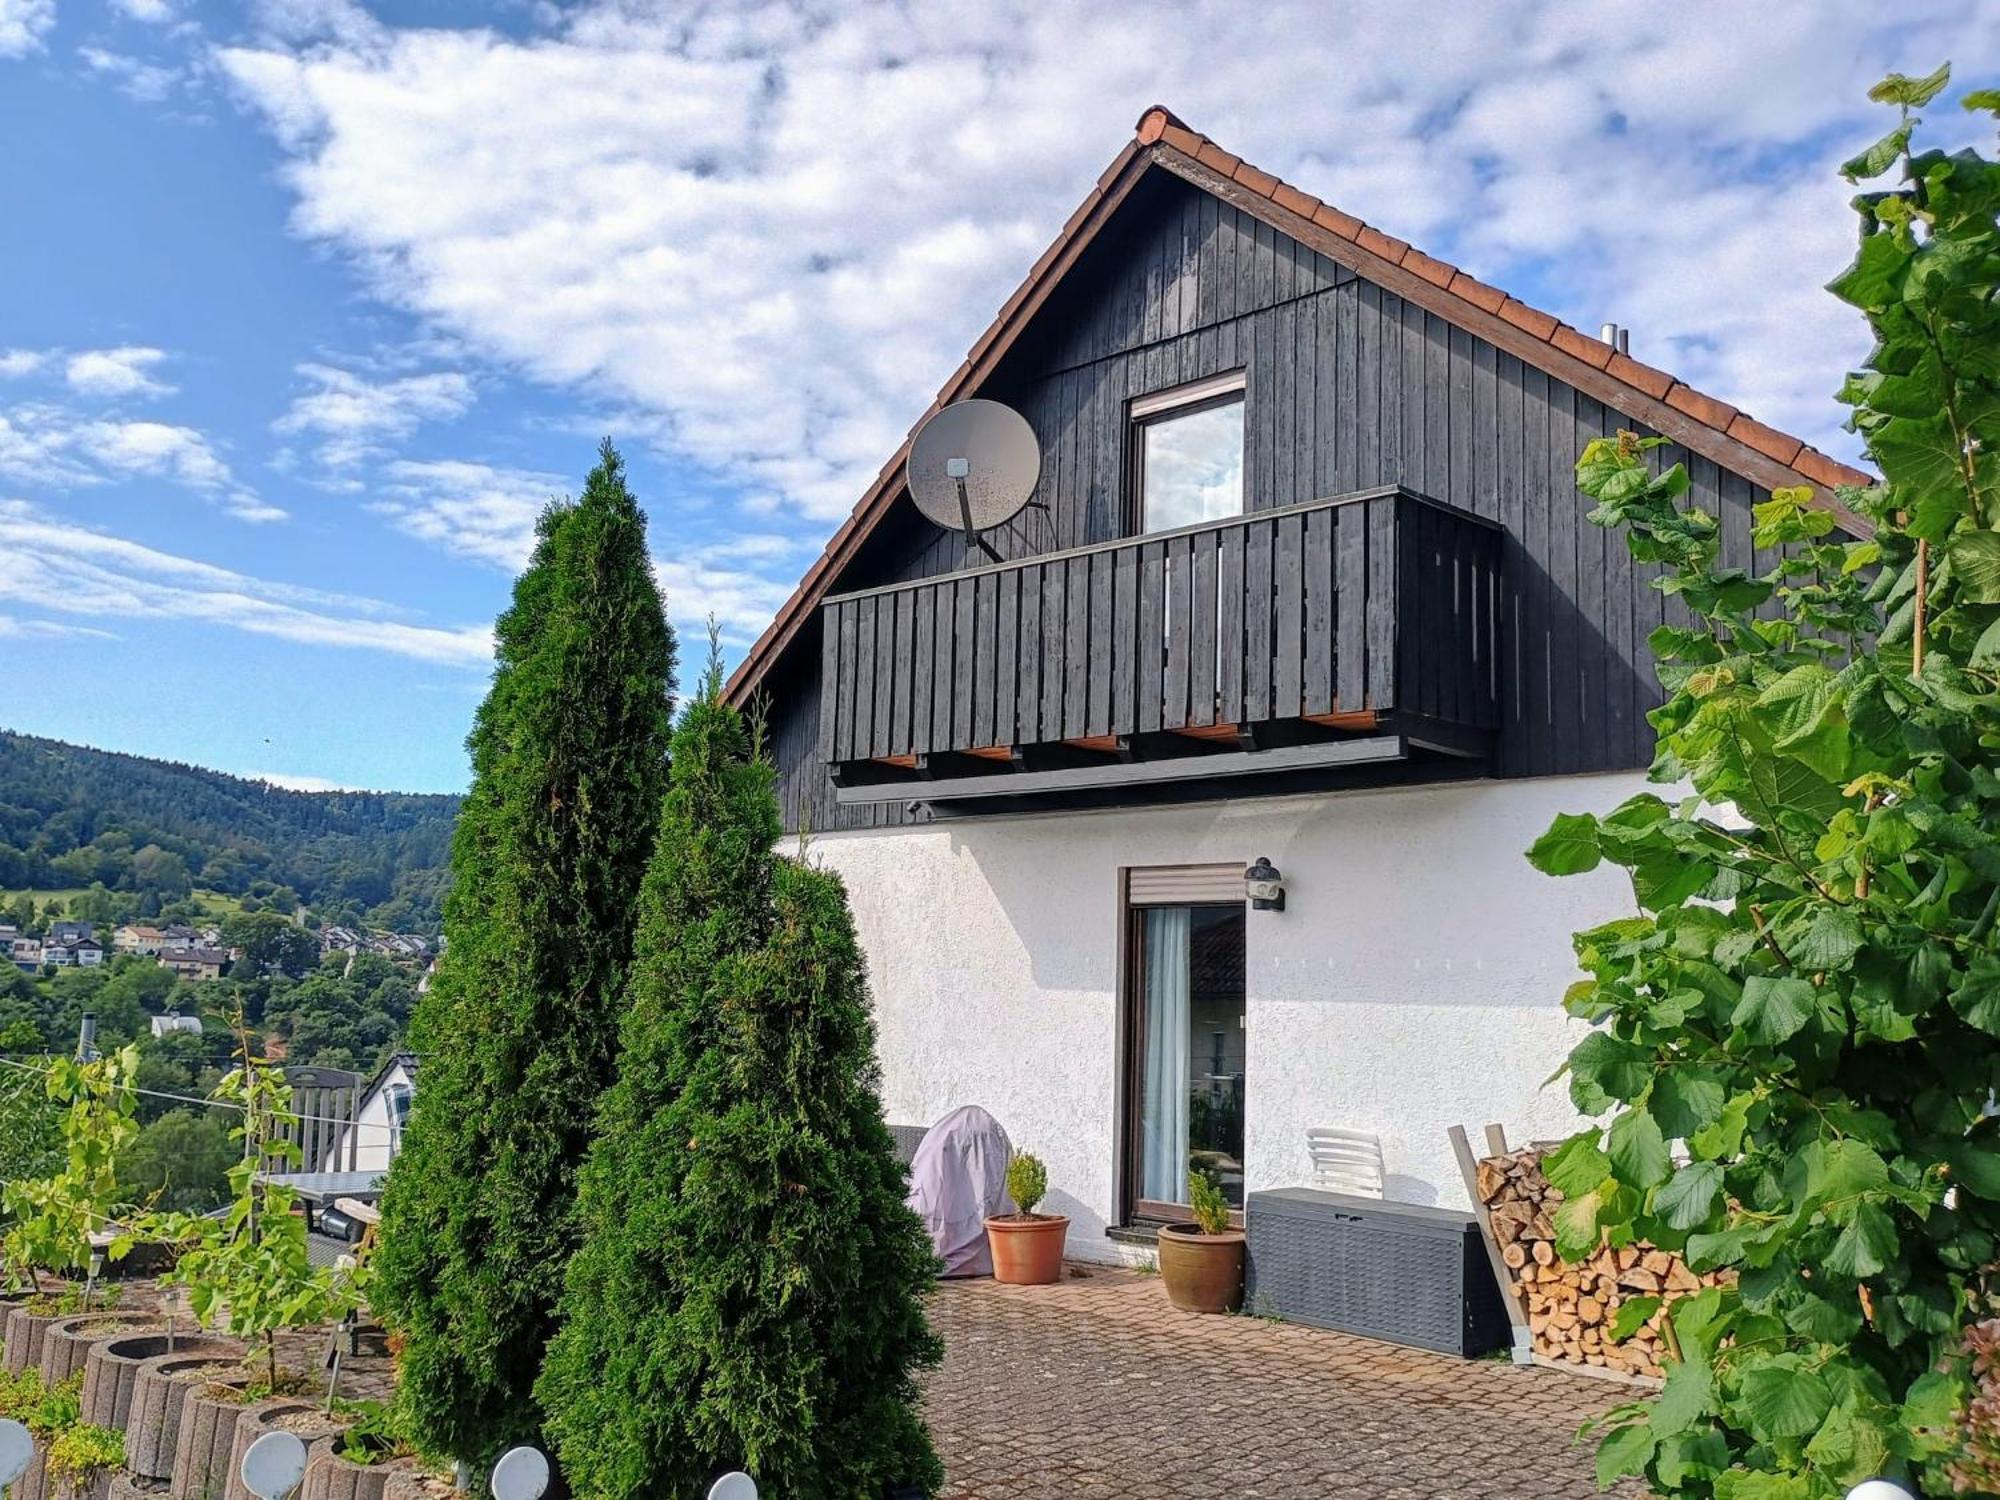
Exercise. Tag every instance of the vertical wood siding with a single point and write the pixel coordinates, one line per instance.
(1346, 387)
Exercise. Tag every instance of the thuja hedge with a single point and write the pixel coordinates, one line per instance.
(518, 1031)
(749, 1291)
(1797, 1051)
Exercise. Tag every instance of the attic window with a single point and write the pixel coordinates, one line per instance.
(1187, 454)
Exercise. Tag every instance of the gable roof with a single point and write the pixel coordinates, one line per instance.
(1162, 141)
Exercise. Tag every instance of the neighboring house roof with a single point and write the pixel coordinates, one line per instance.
(195, 956)
(1700, 423)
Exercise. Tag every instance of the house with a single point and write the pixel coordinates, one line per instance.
(26, 953)
(1306, 594)
(372, 1139)
(172, 1023)
(69, 933)
(86, 953)
(136, 937)
(195, 963)
(61, 955)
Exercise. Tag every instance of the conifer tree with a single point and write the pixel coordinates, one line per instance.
(518, 1033)
(750, 1288)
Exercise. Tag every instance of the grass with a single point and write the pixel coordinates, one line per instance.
(212, 903)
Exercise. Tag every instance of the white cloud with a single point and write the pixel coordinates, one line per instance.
(13, 629)
(23, 24)
(478, 511)
(288, 782)
(147, 82)
(356, 416)
(52, 445)
(58, 568)
(16, 363)
(116, 372)
(153, 12)
(771, 231)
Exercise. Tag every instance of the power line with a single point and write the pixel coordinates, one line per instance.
(359, 1124)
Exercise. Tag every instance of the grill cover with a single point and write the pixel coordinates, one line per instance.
(958, 1178)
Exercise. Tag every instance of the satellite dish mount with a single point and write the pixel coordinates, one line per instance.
(973, 466)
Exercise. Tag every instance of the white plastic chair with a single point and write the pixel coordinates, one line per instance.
(1345, 1161)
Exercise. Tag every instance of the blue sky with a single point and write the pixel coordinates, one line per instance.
(308, 306)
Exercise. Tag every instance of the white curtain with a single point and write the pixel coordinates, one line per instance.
(1164, 1154)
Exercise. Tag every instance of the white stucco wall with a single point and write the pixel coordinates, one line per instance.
(374, 1136)
(1413, 982)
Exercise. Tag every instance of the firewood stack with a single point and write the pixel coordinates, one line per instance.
(1570, 1308)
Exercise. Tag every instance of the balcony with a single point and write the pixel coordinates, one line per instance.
(1270, 651)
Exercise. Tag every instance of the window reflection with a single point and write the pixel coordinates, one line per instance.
(1191, 466)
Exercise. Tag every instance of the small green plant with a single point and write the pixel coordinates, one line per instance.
(1148, 1267)
(57, 1408)
(50, 1219)
(80, 1453)
(1211, 1209)
(1027, 1182)
(377, 1435)
(249, 1270)
(20, 1394)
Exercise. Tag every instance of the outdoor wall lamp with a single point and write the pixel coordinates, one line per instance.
(1264, 886)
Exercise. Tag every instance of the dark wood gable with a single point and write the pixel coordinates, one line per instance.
(1348, 388)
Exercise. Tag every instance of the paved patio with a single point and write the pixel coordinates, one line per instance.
(1097, 1387)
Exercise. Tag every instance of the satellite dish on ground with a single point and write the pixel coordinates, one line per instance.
(736, 1486)
(521, 1474)
(972, 467)
(274, 1465)
(16, 1448)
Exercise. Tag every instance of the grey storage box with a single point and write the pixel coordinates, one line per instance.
(1394, 1271)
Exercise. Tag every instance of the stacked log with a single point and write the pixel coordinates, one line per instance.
(1571, 1307)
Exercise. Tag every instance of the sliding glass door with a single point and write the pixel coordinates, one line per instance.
(1186, 1064)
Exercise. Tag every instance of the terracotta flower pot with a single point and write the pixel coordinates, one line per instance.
(1203, 1272)
(1027, 1248)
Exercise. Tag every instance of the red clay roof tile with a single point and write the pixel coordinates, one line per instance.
(1292, 200)
(1830, 472)
(1655, 383)
(1433, 270)
(1591, 351)
(1255, 180)
(1478, 293)
(1704, 409)
(1387, 246)
(1330, 218)
(1532, 320)
(1766, 440)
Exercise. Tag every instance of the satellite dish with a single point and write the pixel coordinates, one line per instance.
(16, 1448)
(274, 1465)
(521, 1474)
(1878, 1489)
(972, 467)
(736, 1486)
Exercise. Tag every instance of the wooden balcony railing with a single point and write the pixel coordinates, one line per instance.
(1334, 612)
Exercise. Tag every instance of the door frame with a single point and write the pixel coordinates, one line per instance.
(1129, 1039)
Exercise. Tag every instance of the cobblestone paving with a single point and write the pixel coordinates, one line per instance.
(1097, 1387)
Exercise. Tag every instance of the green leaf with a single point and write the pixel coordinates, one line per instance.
(1638, 1150)
(1875, 279)
(1687, 1395)
(1568, 848)
(1866, 1245)
(1975, 563)
(1724, 1138)
(1931, 1409)
(1624, 1451)
(1977, 997)
(1773, 1009)
(1577, 1166)
(1690, 1196)
(1577, 1233)
(1911, 93)
(1986, 99)
(1685, 1098)
(1604, 1071)
(1827, 942)
(1631, 1317)
(1878, 158)
(1747, 1484)
(1782, 1398)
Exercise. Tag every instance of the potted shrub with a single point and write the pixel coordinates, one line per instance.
(82, 1460)
(359, 1463)
(1202, 1262)
(1027, 1247)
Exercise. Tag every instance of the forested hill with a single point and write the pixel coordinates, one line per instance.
(71, 817)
